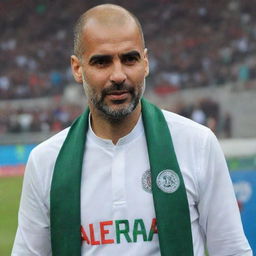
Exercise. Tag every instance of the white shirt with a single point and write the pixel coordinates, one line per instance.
(117, 209)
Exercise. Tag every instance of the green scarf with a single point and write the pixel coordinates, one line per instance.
(169, 193)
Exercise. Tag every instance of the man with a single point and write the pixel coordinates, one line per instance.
(117, 182)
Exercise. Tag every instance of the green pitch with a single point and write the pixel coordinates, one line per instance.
(10, 189)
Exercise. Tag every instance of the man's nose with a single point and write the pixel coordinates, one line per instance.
(118, 75)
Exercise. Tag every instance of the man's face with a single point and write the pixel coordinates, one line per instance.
(114, 66)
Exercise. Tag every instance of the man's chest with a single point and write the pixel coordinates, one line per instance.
(116, 199)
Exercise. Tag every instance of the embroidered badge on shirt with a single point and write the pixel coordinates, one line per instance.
(146, 181)
(168, 181)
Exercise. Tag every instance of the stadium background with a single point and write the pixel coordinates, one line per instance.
(202, 65)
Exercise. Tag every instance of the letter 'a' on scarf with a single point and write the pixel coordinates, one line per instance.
(172, 210)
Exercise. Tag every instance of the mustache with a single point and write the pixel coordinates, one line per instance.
(117, 87)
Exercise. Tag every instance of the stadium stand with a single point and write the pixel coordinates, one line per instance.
(193, 44)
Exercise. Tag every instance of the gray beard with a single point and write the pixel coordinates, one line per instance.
(119, 114)
(114, 115)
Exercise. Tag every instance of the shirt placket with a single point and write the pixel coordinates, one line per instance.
(118, 178)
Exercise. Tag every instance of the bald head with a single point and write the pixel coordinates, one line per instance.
(106, 15)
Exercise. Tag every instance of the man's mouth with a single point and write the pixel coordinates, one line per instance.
(117, 95)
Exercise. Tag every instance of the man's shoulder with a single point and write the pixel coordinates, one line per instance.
(41, 162)
(50, 147)
(183, 124)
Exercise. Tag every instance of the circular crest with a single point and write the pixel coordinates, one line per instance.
(146, 181)
(168, 181)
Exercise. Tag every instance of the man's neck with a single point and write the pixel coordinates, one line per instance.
(114, 130)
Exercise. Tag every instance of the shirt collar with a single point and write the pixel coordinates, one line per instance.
(136, 131)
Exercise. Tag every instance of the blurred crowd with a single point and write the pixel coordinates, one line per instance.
(54, 119)
(208, 112)
(190, 43)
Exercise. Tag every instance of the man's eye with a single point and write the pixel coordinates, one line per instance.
(101, 63)
(130, 60)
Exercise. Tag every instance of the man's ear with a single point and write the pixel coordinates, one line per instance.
(76, 68)
(146, 61)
